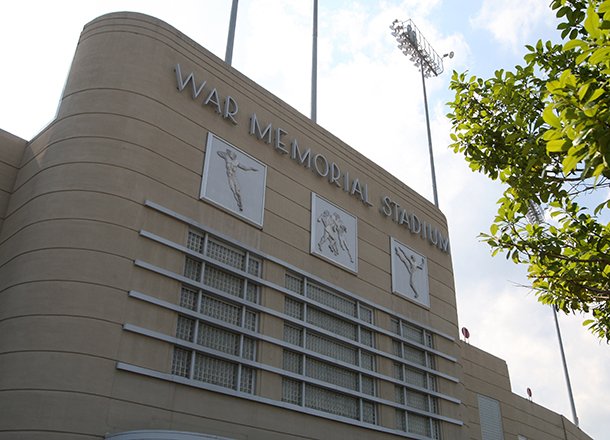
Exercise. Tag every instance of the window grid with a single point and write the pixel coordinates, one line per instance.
(293, 335)
(195, 241)
(417, 424)
(328, 347)
(292, 391)
(223, 281)
(192, 269)
(188, 298)
(226, 254)
(197, 364)
(190, 363)
(294, 283)
(330, 299)
(185, 328)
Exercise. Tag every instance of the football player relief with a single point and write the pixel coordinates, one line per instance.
(233, 180)
(334, 234)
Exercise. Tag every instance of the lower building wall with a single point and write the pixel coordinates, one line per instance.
(487, 376)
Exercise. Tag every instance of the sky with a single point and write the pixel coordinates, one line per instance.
(364, 81)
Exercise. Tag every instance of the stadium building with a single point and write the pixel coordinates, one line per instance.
(185, 256)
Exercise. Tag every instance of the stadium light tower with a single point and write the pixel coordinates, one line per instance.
(413, 44)
(535, 215)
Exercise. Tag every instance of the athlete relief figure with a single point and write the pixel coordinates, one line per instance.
(341, 230)
(411, 266)
(328, 233)
(334, 233)
(232, 164)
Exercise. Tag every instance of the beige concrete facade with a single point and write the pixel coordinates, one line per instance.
(100, 220)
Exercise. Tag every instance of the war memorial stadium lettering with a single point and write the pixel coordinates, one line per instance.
(227, 107)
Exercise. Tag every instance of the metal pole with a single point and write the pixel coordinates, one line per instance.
(423, 82)
(231, 36)
(565, 368)
(314, 63)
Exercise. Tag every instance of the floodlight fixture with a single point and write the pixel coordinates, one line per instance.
(412, 43)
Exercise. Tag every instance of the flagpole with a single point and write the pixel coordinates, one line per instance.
(231, 36)
(314, 63)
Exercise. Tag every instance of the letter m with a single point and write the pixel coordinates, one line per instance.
(182, 83)
(255, 130)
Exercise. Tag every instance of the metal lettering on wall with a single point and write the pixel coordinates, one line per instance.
(227, 108)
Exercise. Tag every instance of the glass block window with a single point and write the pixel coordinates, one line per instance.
(328, 347)
(251, 292)
(255, 265)
(418, 400)
(226, 254)
(368, 412)
(192, 269)
(331, 402)
(395, 326)
(415, 377)
(331, 299)
(367, 385)
(218, 339)
(293, 362)
(418, 424)
(181, 362)
(366, 337)
(250, 319)
(367, 360)
(224, 281)
(215, 371)
(401, 420)
(249, 348)
(292, 391)
(293, 308)
(331, 323)
(293, 335)
(428, 339)
(366, 314)
(188, 298)
(248, 376)
(294, 283)
(221, 310)
(332, 374)
(185, 328)
(397, 347)
(195, 241)
(399, 394)
(436, 429)
(413, 333)
(414, 355)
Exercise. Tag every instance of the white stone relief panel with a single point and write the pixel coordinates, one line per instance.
(409, 273)
(233, 180)
(334, 233)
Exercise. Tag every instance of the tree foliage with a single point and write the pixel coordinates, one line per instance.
(543, 129)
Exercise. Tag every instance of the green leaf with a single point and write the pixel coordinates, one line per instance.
(592, 22)
(572, 44)
(550, 117)
(557, 146)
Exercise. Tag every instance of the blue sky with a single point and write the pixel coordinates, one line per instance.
(369, 96)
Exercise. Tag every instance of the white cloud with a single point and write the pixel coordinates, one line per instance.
(514, 24)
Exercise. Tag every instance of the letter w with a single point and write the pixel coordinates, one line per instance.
(182, 83)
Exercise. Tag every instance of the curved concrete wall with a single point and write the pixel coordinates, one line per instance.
(71, 234)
